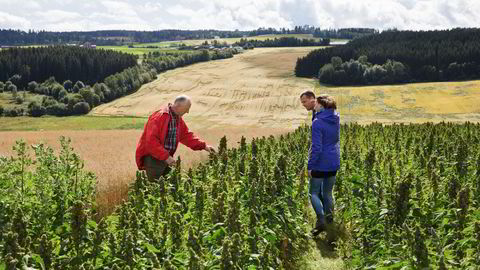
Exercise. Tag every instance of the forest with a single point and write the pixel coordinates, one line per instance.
(62, 62)
(118, 37)
(419, 56)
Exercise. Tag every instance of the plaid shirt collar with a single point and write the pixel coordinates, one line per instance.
(171, 139)
(171, 112)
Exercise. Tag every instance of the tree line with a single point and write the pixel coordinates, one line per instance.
(118, 37)
(77, 97)
(22, 65)
(108, 37)
(425, 55)
(357, 72)
(281, 42)
(341, 33)
(344, 33)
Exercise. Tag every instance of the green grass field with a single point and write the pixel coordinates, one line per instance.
(141, 51)
(193, 42)
(172, 46)
(26, 123)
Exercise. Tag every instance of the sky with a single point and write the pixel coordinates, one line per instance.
(89, 15)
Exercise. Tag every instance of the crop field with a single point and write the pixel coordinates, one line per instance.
(172, 46)
(426, 176)
(407, 196)
(110, 154)
(50, 123)
(257, 88)
(141, 51)
(416, 102)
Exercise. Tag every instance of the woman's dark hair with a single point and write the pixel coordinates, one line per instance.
(328, 102)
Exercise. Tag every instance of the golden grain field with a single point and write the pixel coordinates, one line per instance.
(408, 103)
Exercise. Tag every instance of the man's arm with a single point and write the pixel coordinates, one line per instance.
(193, 142)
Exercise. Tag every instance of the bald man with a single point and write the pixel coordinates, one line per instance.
(165, 128)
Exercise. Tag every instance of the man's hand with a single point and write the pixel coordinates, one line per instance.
(170, 161)
(209, 149)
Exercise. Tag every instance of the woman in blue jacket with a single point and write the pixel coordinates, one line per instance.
(324, 160)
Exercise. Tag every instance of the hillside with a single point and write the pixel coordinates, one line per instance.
(254, 88)
(258, 89)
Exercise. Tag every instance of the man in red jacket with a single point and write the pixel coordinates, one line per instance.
(165, 128)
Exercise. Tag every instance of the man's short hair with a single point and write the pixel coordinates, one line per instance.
(181, 99)
(308, 94)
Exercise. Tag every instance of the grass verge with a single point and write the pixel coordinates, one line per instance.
(26, 123)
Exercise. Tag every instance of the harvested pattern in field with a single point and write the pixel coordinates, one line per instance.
(256, 88)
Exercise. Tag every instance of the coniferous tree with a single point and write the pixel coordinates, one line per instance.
(414, 56)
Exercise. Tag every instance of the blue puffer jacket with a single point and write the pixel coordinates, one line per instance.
(325, 151)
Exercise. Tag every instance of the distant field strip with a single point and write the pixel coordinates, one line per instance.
(49, 123)
(193, 42)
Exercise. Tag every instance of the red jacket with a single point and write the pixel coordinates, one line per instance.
(153, 137)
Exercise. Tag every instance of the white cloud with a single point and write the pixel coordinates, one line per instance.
(179, 10)
(150, 7)
(8, 21)
(67, 15)
(22, 5)
(118, 8)
(56, 15)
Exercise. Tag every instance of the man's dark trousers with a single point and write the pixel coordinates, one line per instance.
(155, 168)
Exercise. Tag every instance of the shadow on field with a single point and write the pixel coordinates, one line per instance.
(326, 241)
(326, 248)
